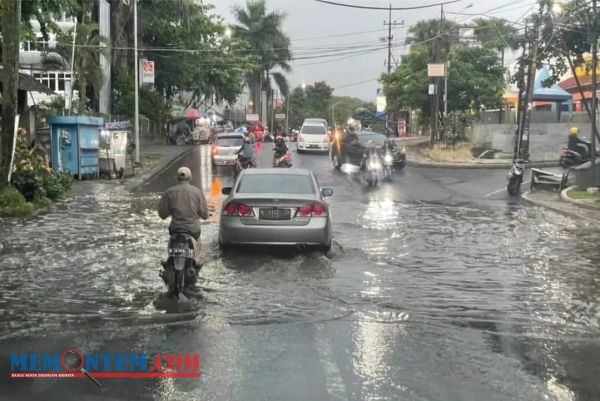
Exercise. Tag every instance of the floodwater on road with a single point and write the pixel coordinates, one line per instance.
(431, 292)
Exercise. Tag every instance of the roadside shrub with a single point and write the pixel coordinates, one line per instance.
(13, 203)
(29, 170)
(57, 184)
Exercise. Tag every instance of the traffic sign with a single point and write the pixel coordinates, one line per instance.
(280, 116)
(252, 117)
(147, 71)
(436, 70)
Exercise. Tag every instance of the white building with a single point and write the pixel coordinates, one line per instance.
(32, 54)
(31, 59)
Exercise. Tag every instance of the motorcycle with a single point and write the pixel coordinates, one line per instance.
(571, 158)
(283, 161)
(388, 163)
(180, 271)
(515, 177)
(373, 170)
(242, 164)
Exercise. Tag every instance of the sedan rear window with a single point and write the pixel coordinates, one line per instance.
(314, 130)
(276, 183)
(229, 141)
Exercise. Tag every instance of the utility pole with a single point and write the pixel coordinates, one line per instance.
(137, 83)
(390, 24)
(521, 102)
(594, 91)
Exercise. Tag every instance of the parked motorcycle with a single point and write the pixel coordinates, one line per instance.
(283, 161)
(515, 177)
(179, 271)
(373, 170)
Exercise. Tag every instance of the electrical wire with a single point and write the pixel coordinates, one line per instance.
(386, 8)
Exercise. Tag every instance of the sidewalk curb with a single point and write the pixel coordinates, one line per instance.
(526, 196)
(490, 166)
(134, 186)
(566, 198)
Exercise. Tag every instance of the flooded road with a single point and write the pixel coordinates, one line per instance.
(433, 291)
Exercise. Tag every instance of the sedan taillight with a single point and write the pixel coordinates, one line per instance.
(312, 210)
(238, 209)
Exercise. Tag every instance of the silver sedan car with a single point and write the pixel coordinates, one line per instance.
(276, 207)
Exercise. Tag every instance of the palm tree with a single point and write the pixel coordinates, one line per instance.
(269, 44)
(86, 65)
(427, 33)
(495, 33)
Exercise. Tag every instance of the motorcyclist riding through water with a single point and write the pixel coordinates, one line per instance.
(186, 205)
(245, 154)
(280, 148)
(371, 151)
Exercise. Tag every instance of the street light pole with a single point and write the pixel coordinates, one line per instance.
(137, 83)
(287, 112)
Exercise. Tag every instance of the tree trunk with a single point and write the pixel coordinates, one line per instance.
(11, 12)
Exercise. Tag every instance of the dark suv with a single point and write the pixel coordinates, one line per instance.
(349, 147)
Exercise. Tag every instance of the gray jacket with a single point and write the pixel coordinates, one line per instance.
(186, 205)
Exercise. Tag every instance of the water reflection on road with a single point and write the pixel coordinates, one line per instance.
(447, 299)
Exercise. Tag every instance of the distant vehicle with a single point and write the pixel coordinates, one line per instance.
(316, 121)
(276, 207)
(226, 147)
(349, 147)
(313, 136)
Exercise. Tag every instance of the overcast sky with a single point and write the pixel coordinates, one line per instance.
(318, 29)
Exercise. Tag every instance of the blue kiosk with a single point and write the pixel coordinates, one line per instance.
(76, 144)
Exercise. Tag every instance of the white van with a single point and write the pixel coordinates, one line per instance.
(313, 136)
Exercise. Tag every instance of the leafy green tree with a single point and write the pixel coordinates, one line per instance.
(407, 85)
(197, 59)
(263, 31)
(475, 78)
(314, 101)
(343, 108)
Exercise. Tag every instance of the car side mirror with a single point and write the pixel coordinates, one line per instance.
(226, 191)
(327, 192)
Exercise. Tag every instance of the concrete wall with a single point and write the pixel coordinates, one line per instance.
(546, 139)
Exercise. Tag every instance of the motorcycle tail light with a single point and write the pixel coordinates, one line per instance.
(215, 151)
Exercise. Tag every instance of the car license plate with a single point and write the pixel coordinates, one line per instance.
(274, 214)
(314, 146)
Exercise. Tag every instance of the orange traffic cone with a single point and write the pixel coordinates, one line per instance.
(216, 187)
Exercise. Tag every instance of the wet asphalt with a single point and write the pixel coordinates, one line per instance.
(439, 286)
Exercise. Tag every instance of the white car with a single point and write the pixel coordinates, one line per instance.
(226, 147)
(313, 136)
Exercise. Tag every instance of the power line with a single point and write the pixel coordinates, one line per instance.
(386, 8)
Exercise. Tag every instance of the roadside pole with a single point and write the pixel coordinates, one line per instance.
(137, 83)
(594, 37)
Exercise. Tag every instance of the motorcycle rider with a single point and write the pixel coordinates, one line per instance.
(578, 145)
(245, 154)
(372, 151)
(186, 205)
(280, 149)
